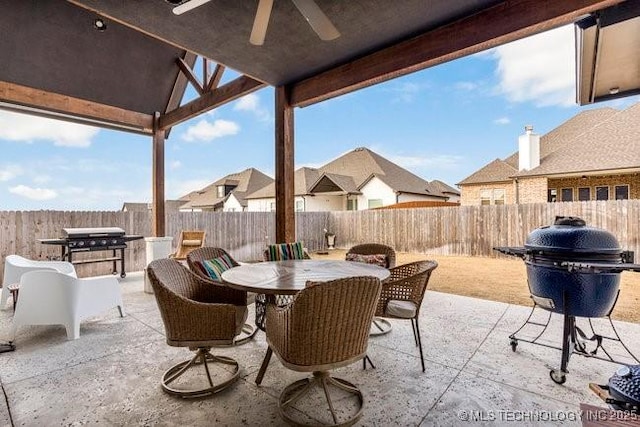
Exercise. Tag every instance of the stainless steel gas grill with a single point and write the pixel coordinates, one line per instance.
(77, 240)
(573, 270)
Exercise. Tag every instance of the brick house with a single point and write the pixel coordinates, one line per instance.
(595, 155)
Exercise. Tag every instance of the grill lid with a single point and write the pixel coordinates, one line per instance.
(572, 235)
(83, 233)
(624, 385)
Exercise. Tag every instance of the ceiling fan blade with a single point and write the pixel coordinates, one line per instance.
(317, 19)
(261, 22)
(186, 7)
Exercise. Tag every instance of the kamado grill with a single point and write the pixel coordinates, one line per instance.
(573, 270)
(94, 239)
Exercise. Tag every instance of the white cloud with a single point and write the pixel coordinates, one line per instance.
(538, 69)
(176, 164)
(251, 103)
(9, 172)
(34, 193)
(26, 128)
(502, 121)
(207, 131)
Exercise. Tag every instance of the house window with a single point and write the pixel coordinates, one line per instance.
(567, 194)
(498, 197)
(602, 193)
(552, 195)
(220, 189)
(299, 205)
(584, 193)
(622, 192)
(485, 197)
(375, 203)
(352, 204)
(272, 206)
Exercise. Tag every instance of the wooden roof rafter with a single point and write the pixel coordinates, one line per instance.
(497, 25)
(211, 99)
(208, 81)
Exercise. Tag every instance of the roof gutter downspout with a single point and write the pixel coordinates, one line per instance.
(517, 190)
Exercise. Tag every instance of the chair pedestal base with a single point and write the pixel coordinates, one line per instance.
(247, 334)
(205, 358)
(293, 392)
(380, 326)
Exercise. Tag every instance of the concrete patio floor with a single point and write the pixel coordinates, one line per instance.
(111, 374)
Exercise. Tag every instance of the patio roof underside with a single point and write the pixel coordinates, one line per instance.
(130, 69)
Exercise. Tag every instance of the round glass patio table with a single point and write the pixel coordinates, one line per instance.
(290, 277)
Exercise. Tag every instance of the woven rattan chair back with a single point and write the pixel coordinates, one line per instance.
(207, 253)
(375, 249)
(195, 315)
(203, 254)
(326, 324)
(325, 327)
(407, 282)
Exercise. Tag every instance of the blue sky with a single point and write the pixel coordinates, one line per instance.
(441, 123)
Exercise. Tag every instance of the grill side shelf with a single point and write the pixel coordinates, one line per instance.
(508, 250)
(600, 267)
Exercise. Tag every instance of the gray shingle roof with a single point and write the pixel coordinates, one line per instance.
(611, 144)
(357, 166)
(247, 181)
(565, 142)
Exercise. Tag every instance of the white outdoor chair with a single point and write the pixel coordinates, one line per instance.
(53, 298)
(15, 266)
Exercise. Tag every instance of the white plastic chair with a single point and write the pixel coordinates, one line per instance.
(15, 266)
(53, 298)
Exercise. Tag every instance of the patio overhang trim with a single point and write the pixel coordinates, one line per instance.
(20, 98)
(492, 27)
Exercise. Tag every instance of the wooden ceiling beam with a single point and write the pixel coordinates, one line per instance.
(503, 23)
(49, 104)
(190, 75)
(214, 81)
(233, 90)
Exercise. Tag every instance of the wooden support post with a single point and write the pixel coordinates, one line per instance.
(285, 212)
(157, 169)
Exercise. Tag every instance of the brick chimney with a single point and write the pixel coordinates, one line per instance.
(528, 149)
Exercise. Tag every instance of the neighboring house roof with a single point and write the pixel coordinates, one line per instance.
(303, 178)
(333, 182)
(246, 182)
(349, 172)
(169, 205)
(443, 187)
(612, 144)
(496, 171)
(568, 142)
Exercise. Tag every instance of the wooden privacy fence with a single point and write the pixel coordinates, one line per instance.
(464, 230)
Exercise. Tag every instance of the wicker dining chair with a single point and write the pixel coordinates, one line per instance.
(195, 259)
(402, 295)
(199, 316)
(375, 249)
(324, 328)
(187, 242)
(379, 326)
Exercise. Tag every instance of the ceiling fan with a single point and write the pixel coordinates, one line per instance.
(319, 22)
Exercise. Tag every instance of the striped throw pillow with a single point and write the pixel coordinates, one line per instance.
(215, 267)
(284, 251)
